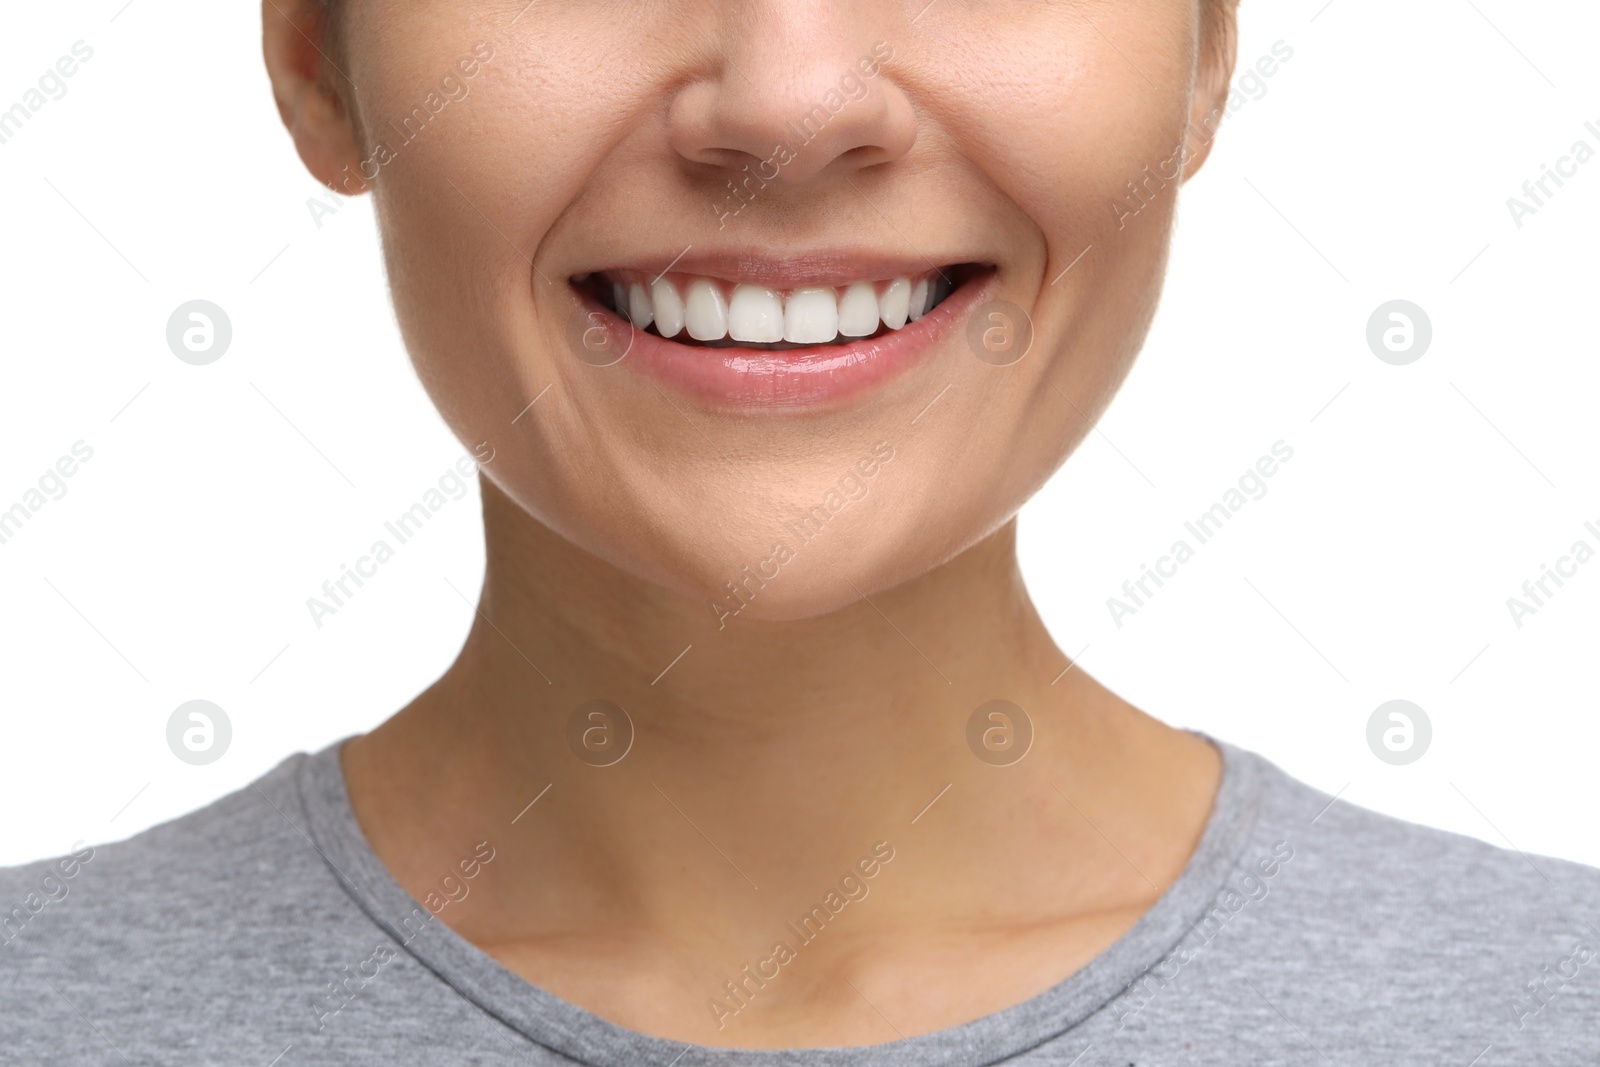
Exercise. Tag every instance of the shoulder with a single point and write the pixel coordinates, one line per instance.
(241, 841)
(1343, 850)
(1389, 921)
(217, 932)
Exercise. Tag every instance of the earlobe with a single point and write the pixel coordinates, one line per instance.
(1219, 48)
(323, 136)
(316, 118)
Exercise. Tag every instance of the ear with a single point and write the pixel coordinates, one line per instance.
(304, 81)
(1219, 50)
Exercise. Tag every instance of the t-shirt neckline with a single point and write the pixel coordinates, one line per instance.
(581, 1035)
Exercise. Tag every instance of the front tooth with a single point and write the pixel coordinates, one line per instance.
(619, 299)
(669, 309)
(858, 311)
(639, 309)
(811, 316)
(919, 299)
(755, 314)
(705, 312)
(895, 303)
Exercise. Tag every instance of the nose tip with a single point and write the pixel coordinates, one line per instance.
(793, 104)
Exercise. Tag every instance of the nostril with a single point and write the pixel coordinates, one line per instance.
(805, 111)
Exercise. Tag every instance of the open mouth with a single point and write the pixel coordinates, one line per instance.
(711, 313)
(743, 342)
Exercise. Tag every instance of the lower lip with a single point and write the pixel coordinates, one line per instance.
(794, 378)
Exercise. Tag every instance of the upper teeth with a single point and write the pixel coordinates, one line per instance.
(710, 310)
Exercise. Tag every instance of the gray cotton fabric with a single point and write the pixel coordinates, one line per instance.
(262, 930)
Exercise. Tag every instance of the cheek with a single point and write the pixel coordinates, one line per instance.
(1078, 118)
(1064, 104)
(463, 211)
(465, 206)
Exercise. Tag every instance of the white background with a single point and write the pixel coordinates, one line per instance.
(1376, 166)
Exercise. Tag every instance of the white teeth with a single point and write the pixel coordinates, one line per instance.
(639, 309)
(756, 314)
(811, 316)
(705, 312)
(895, 303)
(919, 300)
(858, 310)
(668, 308)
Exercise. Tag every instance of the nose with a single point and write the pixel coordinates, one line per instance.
(797, 91)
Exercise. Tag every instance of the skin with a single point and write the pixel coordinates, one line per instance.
(833, 708)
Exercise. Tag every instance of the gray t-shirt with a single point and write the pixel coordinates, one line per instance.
(263, 931)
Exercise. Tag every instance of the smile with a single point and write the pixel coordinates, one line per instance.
(759, 342)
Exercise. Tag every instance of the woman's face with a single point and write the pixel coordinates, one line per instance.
(767, 169)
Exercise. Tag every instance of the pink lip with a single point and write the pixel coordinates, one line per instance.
(796, 378)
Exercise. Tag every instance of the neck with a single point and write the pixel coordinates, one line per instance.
(766, 757)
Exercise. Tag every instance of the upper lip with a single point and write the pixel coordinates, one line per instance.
(755, 266)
